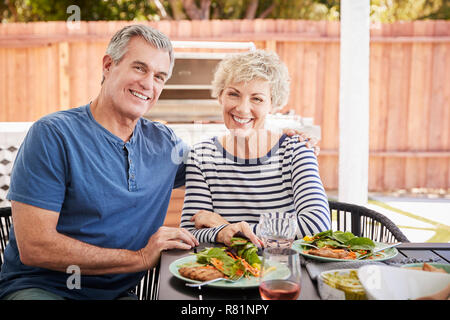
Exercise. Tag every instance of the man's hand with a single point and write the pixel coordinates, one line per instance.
(208, 219)
(310, 142)
(164, 239)
(225, 235)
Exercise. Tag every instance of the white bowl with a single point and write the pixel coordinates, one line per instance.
(393, 283)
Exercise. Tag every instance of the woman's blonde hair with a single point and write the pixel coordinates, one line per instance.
(248, 66)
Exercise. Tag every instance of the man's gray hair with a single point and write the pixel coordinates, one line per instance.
(118, 45)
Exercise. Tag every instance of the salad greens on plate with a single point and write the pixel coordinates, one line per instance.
(340, 239)
(238, 260)
(337, 245)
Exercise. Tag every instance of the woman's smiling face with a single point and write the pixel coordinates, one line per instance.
(245, 106)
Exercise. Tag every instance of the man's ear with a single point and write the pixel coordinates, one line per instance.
(107, 64)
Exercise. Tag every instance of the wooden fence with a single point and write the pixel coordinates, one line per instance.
(46, 67)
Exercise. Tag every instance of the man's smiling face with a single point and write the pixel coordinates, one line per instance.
(134, 84)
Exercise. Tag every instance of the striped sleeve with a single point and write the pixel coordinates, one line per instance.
(310, 200)
(197, 197)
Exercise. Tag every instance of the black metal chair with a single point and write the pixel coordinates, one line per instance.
(364, 222)
(147, 288)
(5, 225)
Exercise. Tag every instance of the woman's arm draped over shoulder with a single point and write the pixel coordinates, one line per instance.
(310, 200)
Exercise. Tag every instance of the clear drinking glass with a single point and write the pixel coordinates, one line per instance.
(277, 229)
(280, 274)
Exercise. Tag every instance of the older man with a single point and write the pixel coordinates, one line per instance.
(91, 185)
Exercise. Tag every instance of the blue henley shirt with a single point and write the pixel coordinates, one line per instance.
(109, 193)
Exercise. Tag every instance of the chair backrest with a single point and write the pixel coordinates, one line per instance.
(364, 222)
(147, 288)
(5, 225)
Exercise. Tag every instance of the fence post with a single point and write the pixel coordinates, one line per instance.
(354, 102)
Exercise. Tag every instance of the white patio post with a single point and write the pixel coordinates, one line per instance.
(354, 101)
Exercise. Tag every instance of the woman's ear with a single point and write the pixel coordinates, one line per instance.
(219, 98)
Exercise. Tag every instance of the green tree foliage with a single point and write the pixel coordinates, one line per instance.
(307, 9)
(53, 10)
(381, 10)
(406, 10)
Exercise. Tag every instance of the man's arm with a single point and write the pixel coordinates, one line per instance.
(41, 245)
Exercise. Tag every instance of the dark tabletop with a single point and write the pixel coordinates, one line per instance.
(172, 288)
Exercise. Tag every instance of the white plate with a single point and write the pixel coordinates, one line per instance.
(379, 256)
(280, 271)
(393, 283)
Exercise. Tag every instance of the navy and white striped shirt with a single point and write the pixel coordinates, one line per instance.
(285, 180)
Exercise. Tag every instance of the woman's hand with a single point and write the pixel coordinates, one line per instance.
(208, 219)
(310, 141)
(225, 235)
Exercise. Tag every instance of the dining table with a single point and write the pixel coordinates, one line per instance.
(173, 288)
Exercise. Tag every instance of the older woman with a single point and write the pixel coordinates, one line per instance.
(232, 179)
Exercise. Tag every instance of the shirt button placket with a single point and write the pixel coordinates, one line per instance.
(131, 173)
